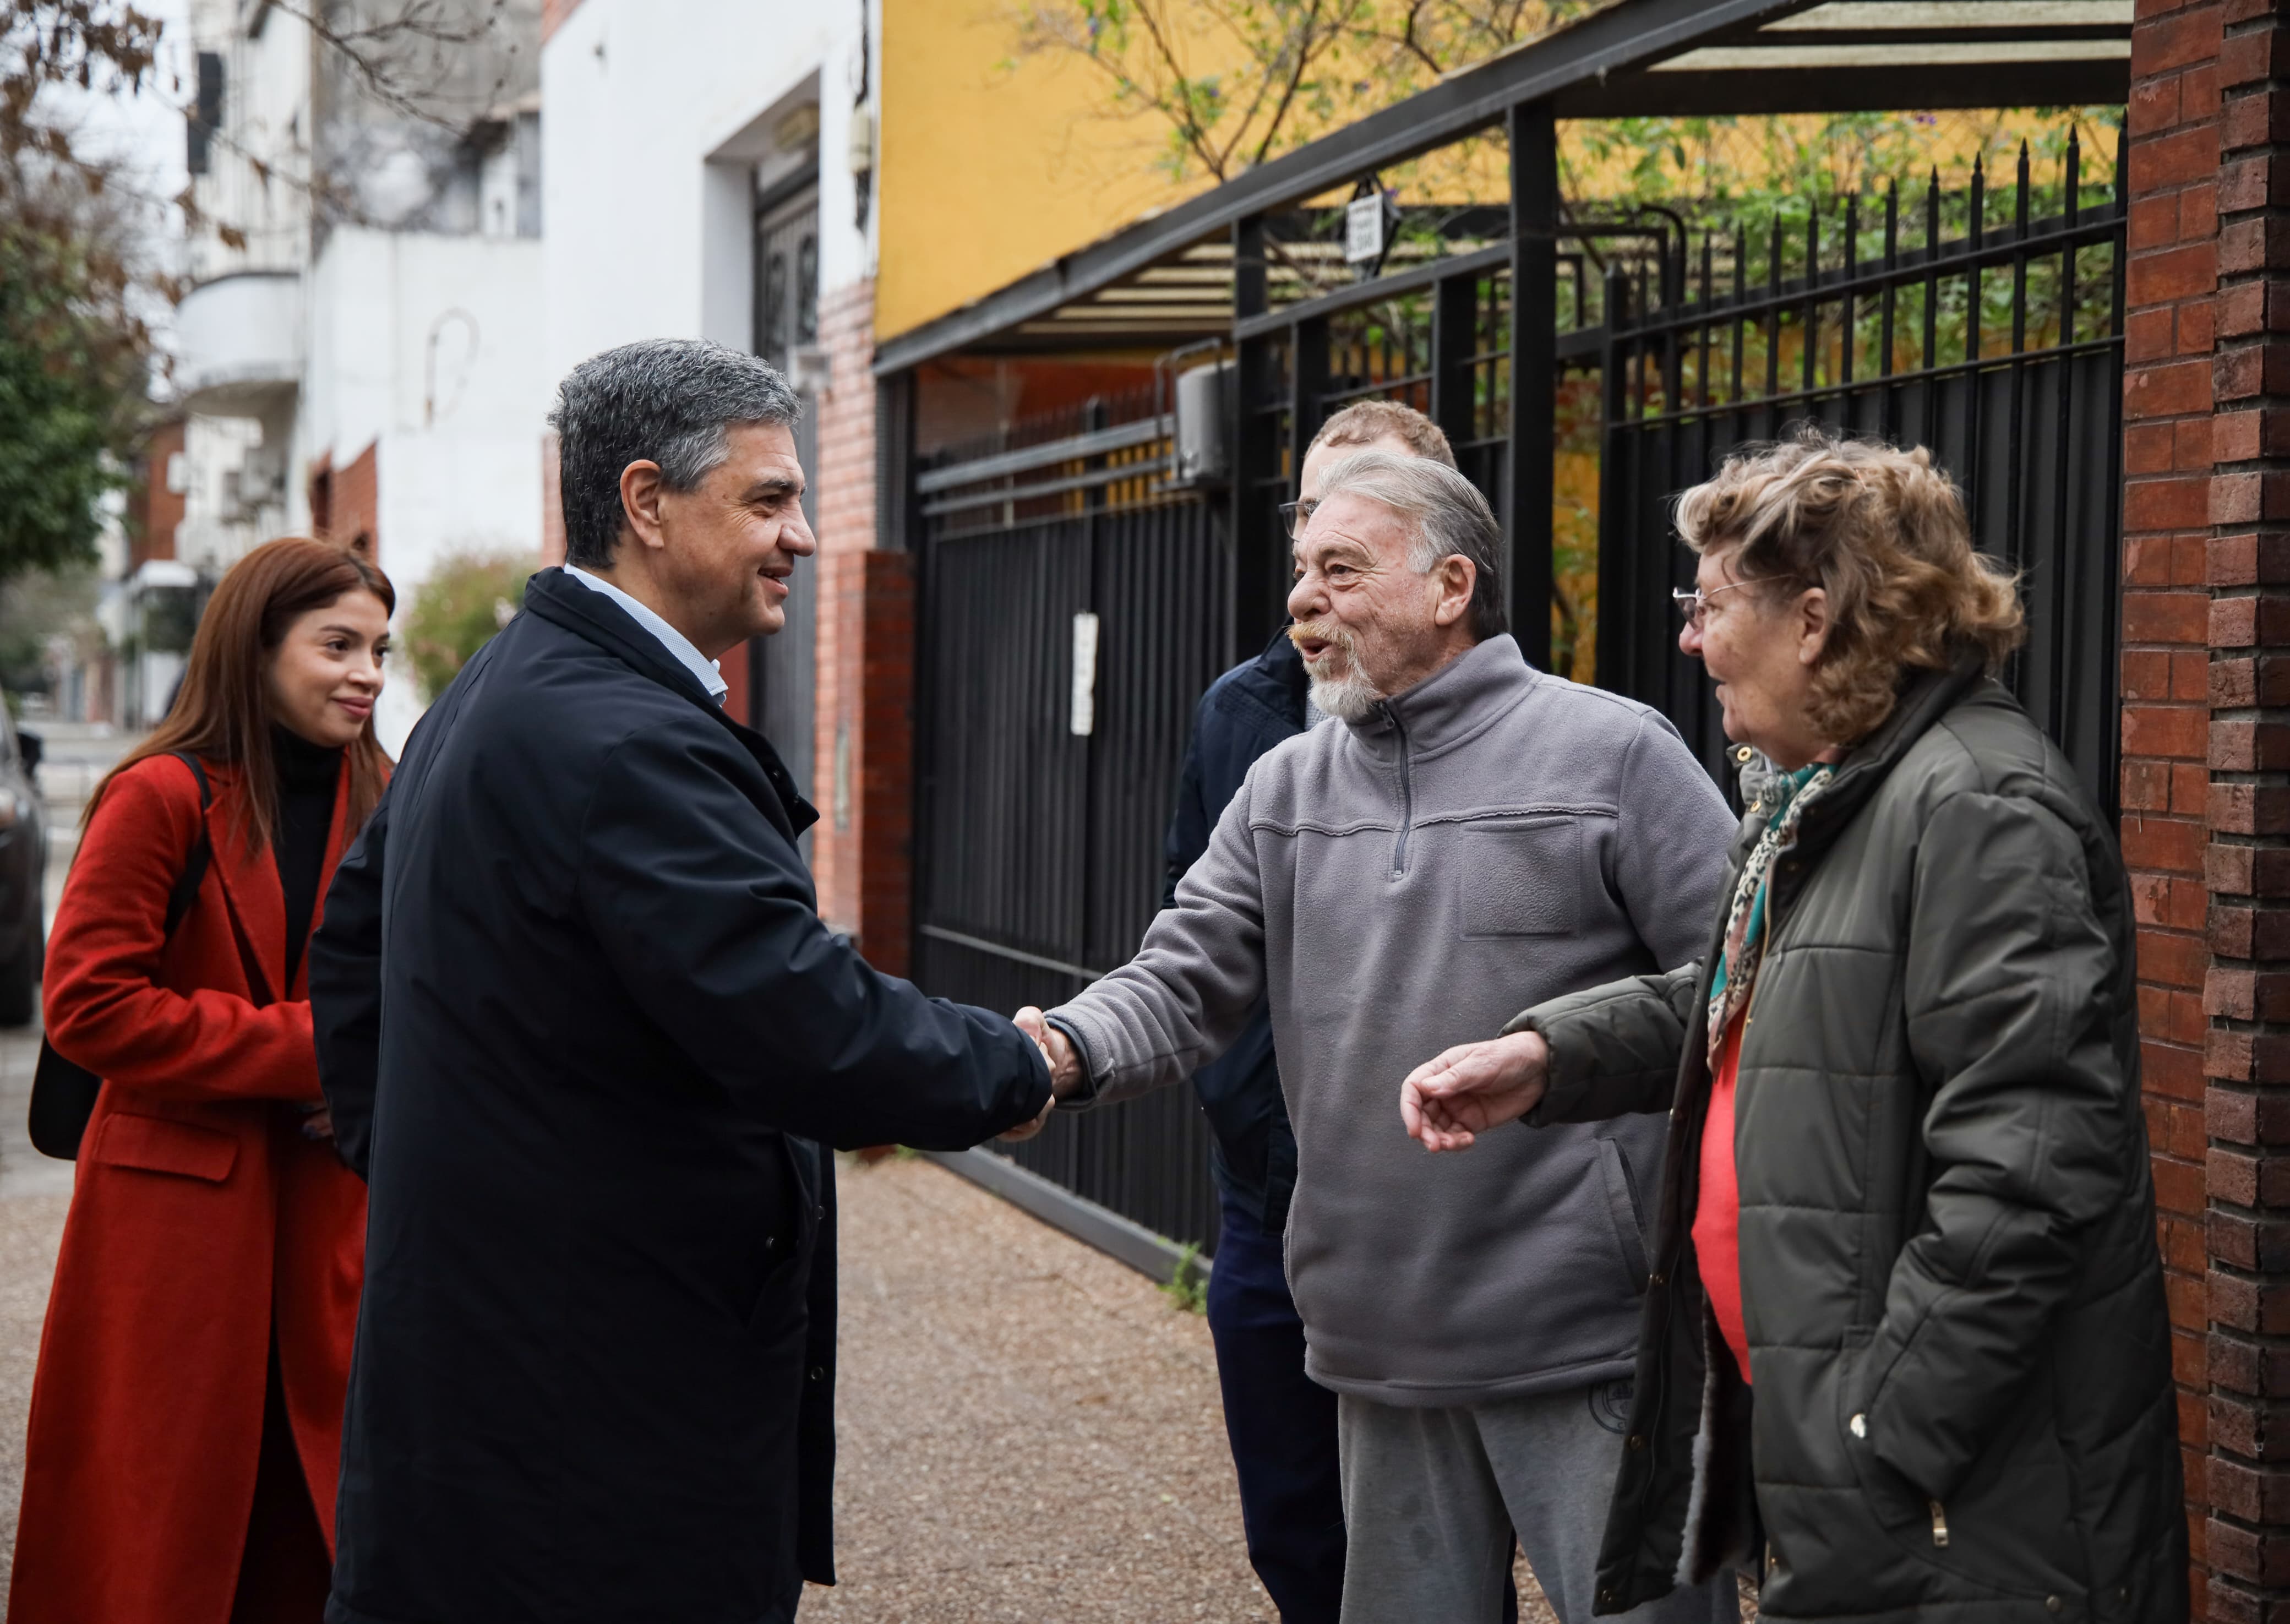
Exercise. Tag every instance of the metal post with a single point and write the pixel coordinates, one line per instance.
(1533, 370)
(1256, 454)
(1454, 335)
(1308, 389)
(1617, 533)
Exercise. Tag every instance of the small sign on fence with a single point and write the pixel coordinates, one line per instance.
(1084, 675)
(1364, 224)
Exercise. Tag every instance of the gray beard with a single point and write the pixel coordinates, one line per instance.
(1348, 698)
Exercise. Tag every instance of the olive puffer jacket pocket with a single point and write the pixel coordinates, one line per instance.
(1961, 1402)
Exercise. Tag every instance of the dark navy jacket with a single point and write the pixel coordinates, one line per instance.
(1245, 713)
(584, 1033)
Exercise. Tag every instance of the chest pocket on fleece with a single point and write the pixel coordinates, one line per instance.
(1520, 877)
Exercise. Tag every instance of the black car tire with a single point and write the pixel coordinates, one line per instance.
(19, 982)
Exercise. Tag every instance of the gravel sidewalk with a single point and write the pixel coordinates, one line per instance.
(1027, 1430)
(34, 1192)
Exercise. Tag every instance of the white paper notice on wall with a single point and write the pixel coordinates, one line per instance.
(1084, 675)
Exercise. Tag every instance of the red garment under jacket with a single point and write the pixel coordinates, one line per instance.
(1718, 1213)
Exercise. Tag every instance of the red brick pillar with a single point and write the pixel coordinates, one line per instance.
(2247, 1468)
(863, 773)
(2167, 457)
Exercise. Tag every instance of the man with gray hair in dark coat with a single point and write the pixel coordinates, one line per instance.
(585, 1035)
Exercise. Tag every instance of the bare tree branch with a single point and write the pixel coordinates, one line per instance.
(377, 51)
(1396, 46)
(1305, 51)
(1195, 135)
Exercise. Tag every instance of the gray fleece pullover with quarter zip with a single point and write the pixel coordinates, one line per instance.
(1492, 837)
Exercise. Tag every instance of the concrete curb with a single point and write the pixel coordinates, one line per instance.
(1149, 1254)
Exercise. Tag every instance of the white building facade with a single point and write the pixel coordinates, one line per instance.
(361, 349)
(707, 173)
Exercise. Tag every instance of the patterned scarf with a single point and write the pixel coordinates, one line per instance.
(1787, 794)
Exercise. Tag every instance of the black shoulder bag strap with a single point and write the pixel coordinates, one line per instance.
(63, 1093)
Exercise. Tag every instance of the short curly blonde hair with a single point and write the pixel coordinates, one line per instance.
(1883, 532)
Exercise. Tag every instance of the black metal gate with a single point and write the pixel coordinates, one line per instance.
(2001, 350)
(1038, 860)
(1072, 614)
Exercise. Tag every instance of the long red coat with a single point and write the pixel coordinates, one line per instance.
(199, 1212)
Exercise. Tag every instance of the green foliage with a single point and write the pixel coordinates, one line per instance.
(35, 606)
(1236, 81)
(467, 598)
(1731, 168)
(72, 345)
(69, 388)
(1187, 1287)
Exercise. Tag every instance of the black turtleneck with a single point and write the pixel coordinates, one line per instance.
(308, 776)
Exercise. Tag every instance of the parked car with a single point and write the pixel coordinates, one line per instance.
(23, 869)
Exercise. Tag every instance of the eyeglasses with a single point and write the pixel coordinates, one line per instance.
(1295, 515)
(1695, 606)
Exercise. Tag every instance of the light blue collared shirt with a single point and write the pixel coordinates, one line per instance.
(675, 642)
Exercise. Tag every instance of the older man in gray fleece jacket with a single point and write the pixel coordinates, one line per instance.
(1469, 836)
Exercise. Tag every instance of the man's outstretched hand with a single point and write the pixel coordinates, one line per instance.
(1057, 1049)
(1058, 1054)
(1449, 1101)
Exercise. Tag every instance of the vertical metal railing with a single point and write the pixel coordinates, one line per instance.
(1038, 839)
(2018, 397)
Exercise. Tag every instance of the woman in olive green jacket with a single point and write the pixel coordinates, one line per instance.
(1905, 1353)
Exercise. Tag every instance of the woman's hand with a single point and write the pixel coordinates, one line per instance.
(1447, 1102)
(317, 1123)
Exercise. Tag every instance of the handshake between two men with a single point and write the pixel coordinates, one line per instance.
(584, 1033)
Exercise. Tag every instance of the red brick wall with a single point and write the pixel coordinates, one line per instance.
(2248, 998)
(862, 773)
(866, 680)
(354, 504)
(157, 511)
(735, 669)
(2167, 401)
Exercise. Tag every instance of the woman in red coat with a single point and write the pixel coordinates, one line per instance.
(187, 1412)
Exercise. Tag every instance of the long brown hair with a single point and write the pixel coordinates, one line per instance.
(221, 713)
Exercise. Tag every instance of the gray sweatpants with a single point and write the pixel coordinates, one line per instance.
(1432, 1497)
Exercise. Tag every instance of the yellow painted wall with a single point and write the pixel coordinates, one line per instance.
(993, 165)
(992, 168)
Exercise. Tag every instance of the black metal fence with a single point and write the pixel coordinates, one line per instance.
(1072, 614)
(1043, 798)
(1999, 349)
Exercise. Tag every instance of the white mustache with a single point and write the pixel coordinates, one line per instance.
(1324, 631)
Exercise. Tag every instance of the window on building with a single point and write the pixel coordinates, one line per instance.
(205, 114)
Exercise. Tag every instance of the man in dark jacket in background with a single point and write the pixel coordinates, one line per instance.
(583, 1031)
(1281, 1424)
